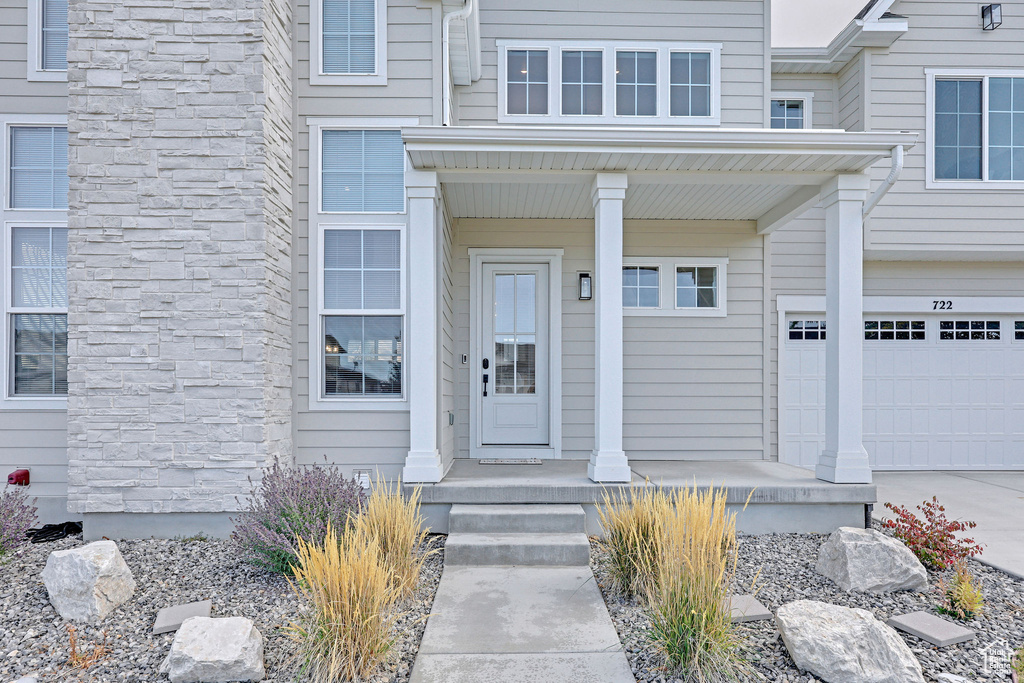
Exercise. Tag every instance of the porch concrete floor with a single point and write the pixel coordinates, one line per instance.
(995, 500)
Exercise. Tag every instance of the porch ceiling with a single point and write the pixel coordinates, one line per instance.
(710, 174)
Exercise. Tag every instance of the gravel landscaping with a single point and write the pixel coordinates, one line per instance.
(34, 640)
(786, 565)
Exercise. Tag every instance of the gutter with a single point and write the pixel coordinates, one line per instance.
(446, 77)
(890, 180)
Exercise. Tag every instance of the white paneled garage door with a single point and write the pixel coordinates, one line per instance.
(941, 391)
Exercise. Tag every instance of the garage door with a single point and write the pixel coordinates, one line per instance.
(940, 391)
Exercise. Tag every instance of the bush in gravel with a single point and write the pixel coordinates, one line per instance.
(346, 632)
(396, 525)
(17, 515)
(633, 524)
(932, 539)
(1017, 663)
(293, 503)
(961, 598)
(690, 603)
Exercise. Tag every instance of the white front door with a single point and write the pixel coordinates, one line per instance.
(513, 358)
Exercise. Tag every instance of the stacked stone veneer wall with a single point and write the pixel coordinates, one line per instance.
(179, 263)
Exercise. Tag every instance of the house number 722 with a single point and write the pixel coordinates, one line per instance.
(942, 305)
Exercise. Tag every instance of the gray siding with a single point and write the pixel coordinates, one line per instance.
(20, 95)
(738, 24)
(850, 113)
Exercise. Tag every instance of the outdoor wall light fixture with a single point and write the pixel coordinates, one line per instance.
(586, 287)
(991, 17)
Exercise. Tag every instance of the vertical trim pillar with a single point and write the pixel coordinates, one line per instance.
(608, 462)
(844, 460)
(423, 463)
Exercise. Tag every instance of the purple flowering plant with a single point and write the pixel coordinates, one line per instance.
(292, 503)
(17, 515)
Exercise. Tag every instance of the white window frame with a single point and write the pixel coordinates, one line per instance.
(316, 50)
(634, 263)
(320, 221)
(667, 286)
(806, 97)
(21, 218)
(36, 72)
(609, 50)
(983, 75)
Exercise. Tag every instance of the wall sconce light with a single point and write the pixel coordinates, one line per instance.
(991, 17)
(586, 287)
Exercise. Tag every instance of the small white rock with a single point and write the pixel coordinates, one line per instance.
(89, 582)
(868, 561)
(208, 649)
(952, 678)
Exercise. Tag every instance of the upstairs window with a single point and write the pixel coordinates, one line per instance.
(958, 130)
(348, 42)
(636, 83)
(582, 84)
(527, 82)
(691, 84)
(38, 167)
(47, 40)
(787, 114)
(363, 171)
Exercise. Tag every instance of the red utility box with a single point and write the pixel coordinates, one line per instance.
(18, 478)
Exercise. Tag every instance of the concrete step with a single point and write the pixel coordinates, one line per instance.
(513, 519)
(522, 549)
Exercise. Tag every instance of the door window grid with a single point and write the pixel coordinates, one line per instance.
(515, 333)
(969, 330)
(690, 84)
(787, 114)
(527, 75)
(696, 287)
(806, 330)
(1018, 330)
(894, 330)
(582, 84)
(640, 287)
(636, 83)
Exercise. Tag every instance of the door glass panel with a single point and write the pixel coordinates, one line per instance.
(515, 327)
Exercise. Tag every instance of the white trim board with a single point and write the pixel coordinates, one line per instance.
(552, 257)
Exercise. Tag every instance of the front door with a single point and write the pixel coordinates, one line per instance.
(514, 356)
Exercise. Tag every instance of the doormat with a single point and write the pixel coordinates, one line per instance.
(510, 461)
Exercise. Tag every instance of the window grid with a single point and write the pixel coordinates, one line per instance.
(582, 83)
(363, 171)
(640, 286)
(696, 287)
(1006, 129)
(806, 330)
(527, 76)
(958, 129)
(362, 269)
(787, 114)
(39, 167)
(894, 330)
(636, 83)
(54, 30)
(969, 330)
(1018, 330)
(690, 84)
(363, 355)
(349, 36)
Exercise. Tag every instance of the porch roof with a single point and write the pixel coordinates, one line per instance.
(691, 173)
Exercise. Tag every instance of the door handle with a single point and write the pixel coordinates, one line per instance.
(485, 384)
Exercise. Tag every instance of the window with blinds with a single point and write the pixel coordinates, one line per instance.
(363, 171)
(38, 311)
(39, 167)
(54, 38)
(349, 40)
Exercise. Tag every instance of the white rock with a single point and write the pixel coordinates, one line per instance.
(868, 561)
(952, 678)
(89, 582)
(213, 650)
(843, 645)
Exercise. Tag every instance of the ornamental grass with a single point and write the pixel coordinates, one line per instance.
(634, 524)
(395, 523)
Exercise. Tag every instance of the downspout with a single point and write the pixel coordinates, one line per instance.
(446, 104)
(890, 180)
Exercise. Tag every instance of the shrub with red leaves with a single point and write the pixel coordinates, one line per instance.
(933, 539)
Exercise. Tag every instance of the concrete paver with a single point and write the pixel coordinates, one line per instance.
(935, 630)
(995, 500)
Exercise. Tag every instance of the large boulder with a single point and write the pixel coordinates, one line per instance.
(209, 650)
(843, 645)
(868, 561)
(89, 582)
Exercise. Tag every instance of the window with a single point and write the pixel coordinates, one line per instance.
(690, 90)
(47, 40)
(38, 167)
(609, 83)
(640, 286)
(38, 312)
(969, 330)
(697, 287)
(894, 330)
(1018, 330)
(363, 171)
(581, 83)
(976, 129)
(527, 82)
(362, 274)
(348, 42)
(787, 114)
(806, 330)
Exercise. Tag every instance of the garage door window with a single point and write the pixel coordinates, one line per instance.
(806, 330)
(969, 330)
(1018, 330)
(894, 330)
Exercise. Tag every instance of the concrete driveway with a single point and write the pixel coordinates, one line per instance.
(995, 500)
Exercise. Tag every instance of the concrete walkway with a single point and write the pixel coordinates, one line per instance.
(497, 624)
(995, 500)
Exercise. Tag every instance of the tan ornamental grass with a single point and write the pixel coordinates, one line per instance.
(634, 525)
(397, 526)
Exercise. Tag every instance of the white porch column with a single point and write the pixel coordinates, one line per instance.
(423, 463)
(608, 462)
(844, 460)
